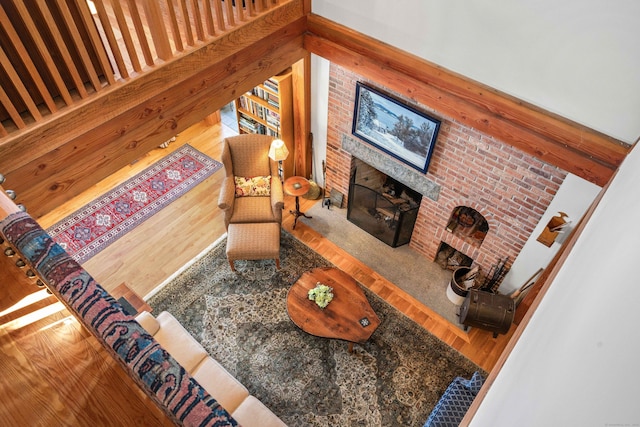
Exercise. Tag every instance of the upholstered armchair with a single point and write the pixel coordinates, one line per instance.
(247, 158)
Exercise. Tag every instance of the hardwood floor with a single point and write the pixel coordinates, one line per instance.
(154, 250)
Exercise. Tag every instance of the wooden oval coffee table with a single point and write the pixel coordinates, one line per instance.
(348, 316)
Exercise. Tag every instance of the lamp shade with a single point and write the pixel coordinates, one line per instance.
(278, 150)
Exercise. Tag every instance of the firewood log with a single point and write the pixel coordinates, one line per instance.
(471, 274)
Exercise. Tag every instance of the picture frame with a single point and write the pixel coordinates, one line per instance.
(399, 130)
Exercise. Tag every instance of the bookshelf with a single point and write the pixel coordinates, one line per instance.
(268, 109)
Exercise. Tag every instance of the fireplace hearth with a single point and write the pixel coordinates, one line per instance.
(381, 205)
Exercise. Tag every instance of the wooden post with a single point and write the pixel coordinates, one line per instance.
(301, 77)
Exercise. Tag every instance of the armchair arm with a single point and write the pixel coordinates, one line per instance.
(277, 198)
(227, 194)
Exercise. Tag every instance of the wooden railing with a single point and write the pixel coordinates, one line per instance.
(57, 53)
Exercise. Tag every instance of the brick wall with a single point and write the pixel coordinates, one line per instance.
(509, 188)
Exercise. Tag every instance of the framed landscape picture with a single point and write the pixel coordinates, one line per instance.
(395, 128)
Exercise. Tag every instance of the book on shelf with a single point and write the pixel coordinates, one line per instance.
(244, 103)
(259, 92)
(248, 124)
(265, 95)
(271, 85)
(273, 118)
(272, 132)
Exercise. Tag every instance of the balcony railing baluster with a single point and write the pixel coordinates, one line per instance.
(62, 51)
(139, 27)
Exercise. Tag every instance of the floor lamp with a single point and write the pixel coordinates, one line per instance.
(278, 152)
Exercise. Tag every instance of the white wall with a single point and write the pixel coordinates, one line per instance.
(319, 116)
(573, 198)
(577, 58)
(576, 363)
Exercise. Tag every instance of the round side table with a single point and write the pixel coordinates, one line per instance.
(297, 186)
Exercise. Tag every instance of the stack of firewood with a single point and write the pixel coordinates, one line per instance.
(468, 280)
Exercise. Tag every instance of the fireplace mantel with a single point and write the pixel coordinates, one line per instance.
(385, 164)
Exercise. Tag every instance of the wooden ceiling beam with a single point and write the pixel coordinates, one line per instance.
(549, 137)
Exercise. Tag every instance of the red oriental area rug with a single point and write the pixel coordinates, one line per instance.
(95, 226)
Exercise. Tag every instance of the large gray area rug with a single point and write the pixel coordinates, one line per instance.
(395, 379)
(424, 280)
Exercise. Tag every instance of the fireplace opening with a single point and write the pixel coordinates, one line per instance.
(381, 205)
(469, 224)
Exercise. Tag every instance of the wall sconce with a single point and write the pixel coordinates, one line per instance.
(278, 152)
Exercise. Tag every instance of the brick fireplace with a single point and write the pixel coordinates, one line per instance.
(471, 174)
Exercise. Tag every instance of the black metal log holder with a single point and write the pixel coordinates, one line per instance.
(497, 272)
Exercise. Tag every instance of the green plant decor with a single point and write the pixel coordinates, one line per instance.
(321, 294)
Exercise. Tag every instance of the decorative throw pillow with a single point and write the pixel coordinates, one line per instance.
(455, 401)
(253, 186)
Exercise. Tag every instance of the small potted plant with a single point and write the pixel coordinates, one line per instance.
(321, 294)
